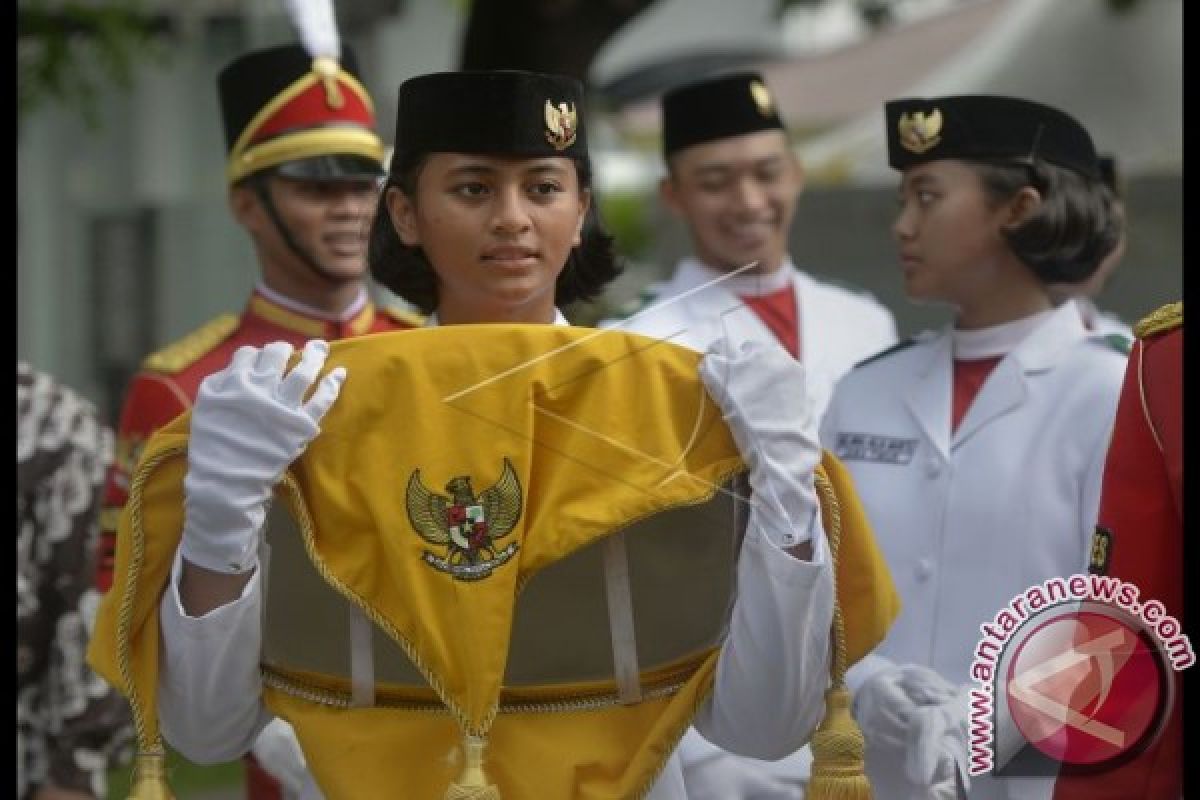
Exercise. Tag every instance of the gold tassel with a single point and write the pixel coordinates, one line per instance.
(150, 778)
(473, 784)
(838, 747)
(838, 751)
(327, 70)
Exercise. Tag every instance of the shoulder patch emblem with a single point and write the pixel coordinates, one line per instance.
(896, 348)
(404, 316)
(1166, 318)
(181, 354)
(1101, 551)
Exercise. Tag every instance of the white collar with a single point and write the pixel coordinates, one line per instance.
(432, 321)
(350, 312)
(997, 340)
(746, 284)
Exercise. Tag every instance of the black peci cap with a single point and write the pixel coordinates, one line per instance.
(987, 127)
(1110, 174)
(717, 108)
(494, 112)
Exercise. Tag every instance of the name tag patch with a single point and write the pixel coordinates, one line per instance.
(875, 448)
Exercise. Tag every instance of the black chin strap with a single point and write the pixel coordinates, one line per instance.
(264, 196)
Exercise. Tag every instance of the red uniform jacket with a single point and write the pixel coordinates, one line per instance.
(1139, 536)
(167, 385)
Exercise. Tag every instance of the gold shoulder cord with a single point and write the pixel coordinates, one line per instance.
(182, 353)
(1162, 319)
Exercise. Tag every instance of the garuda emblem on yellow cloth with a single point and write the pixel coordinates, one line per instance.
(466, 525)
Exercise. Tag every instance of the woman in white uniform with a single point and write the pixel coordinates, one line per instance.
(486, 218)
(977, 449)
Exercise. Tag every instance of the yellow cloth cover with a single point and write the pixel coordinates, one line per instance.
(456, 463)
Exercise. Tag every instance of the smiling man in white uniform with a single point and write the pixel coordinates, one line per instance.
(734, 180)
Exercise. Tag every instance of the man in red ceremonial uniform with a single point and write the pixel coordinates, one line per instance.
(1139, 534)
(303, 168)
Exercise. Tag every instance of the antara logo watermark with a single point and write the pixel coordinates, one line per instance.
(1080, 669)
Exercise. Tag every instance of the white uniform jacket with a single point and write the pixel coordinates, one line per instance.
(768, 697)
(967, 521)
(1102, 322)
(837, 327)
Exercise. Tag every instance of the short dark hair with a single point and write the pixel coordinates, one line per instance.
(406, 270)
(1076, 226)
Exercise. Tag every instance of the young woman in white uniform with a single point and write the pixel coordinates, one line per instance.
(977, 449)
(485, 218)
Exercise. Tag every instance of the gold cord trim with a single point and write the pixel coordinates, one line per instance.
(302, 144)
(281, 681)
(301, 85)
(147, 744)
(1141, 357)
(833, 532)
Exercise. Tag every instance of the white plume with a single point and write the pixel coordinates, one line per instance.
(316, 25)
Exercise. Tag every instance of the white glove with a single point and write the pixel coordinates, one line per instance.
(937, 758)
(917, 717)
(762, 392)
(249, 423)
(278, 752)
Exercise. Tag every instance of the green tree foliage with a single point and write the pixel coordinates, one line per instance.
(66, 51)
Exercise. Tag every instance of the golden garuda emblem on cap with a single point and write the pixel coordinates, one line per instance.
(761, 97)
(466, 525)
(561, 124)
(920, 131)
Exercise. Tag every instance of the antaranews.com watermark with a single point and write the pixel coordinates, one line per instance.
(1058, 651)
